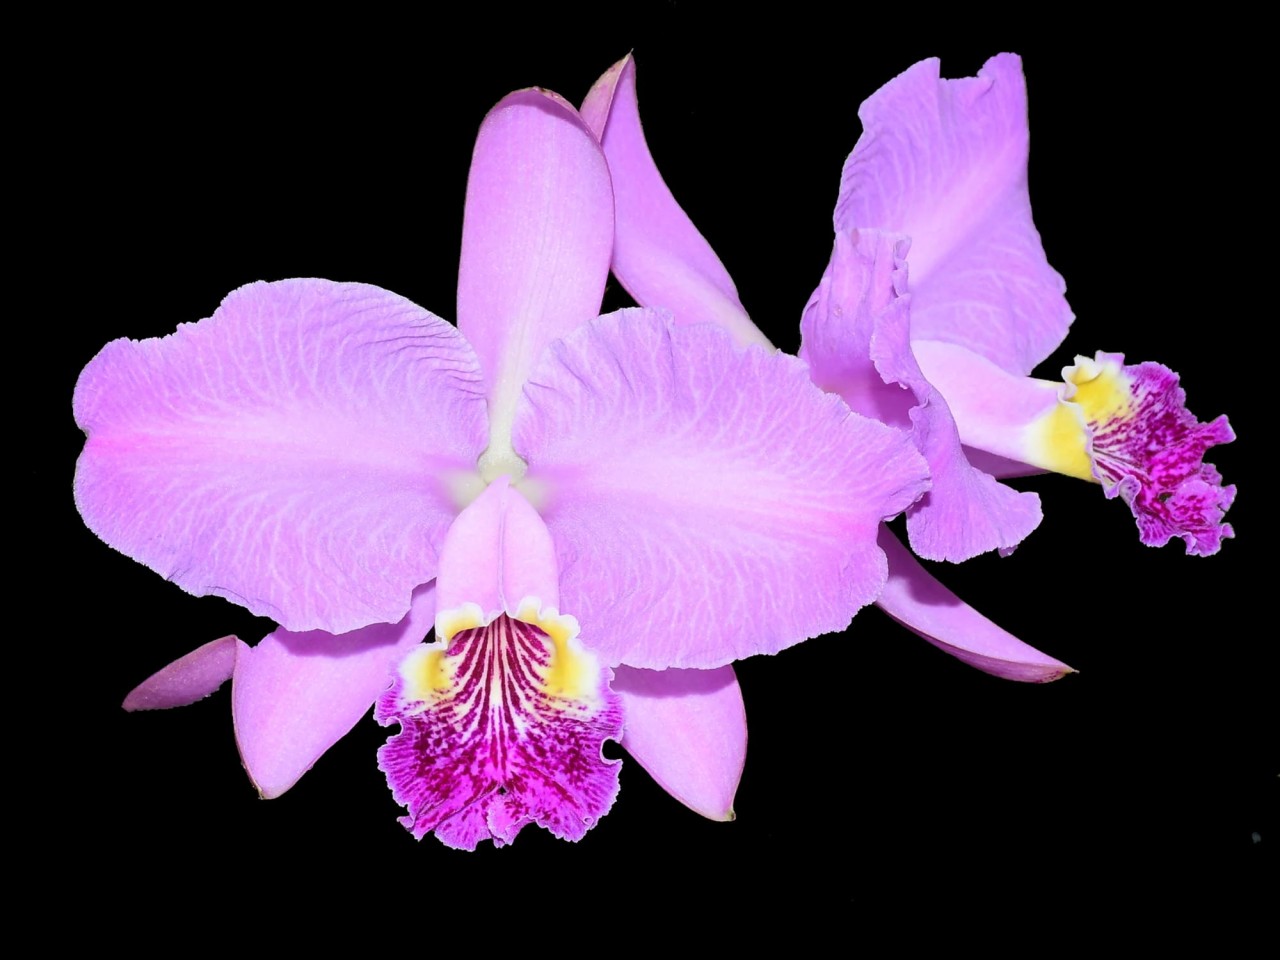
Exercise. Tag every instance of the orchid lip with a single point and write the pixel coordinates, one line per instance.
(502, 723)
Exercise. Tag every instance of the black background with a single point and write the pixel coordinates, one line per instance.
(879, 769)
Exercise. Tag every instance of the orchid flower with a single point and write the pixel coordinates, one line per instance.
(964, 176)
(596, 515)
(938, 183)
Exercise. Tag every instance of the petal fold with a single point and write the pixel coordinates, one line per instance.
(857, 342)
(923, 605)
(497, 553)
(688, 729)
(536, 240)
(292, 453)
(707, 501)
(945, 162)
(296, 694)
(658, 254)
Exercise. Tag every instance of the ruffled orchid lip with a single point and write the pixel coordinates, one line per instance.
(1147, 448)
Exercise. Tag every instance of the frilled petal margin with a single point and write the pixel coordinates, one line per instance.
(856, 339)
(292, 453)
(293, 695)
(688, 729)
(922, 604)
(945, 162)
(708, 502)
(658, 254)
(536, 239)
(1125, 426)
(503, 718)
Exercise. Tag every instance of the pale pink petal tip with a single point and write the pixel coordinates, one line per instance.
(189, 678)
(1152, 457)
(688, 729)
(919, 602)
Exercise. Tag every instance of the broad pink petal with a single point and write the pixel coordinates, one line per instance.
(658, 254)
(707, 501)
(536, 239)
(919, 602)
(688, 729)
(296, 694)
(945, 162)
(497, 553)
(190, 678)
(857, 341)
(291, 453)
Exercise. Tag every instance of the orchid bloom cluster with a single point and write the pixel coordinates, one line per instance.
(937, 302)
(593, 516)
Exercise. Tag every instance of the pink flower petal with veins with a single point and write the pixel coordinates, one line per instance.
(291, 453)
(945, 163)
(708, 502)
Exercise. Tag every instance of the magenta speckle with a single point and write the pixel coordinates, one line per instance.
(1153, 459)
(474, 766)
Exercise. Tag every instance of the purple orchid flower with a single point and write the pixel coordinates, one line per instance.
(946, 160)
(938, 183)
(596, 516)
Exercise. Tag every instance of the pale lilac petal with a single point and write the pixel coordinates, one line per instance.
(291, 453)
(658, 254)
(190, 678)
(945, 162)
(497, 553)
(296, 694)
(491, 739)
(919, 602)
(707, 501)
(688, 729)
(856, 331)
(536, 240)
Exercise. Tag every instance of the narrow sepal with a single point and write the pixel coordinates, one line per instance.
(536, 239)
(688, 729)
(658, 254)
(295, 695)
(914, 598)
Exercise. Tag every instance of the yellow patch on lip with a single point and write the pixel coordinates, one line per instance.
(573, 673)
(427, 672)
(1059, 440)
(569, 673)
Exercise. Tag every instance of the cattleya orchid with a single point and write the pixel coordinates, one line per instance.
(596, 515)
(938, 181)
